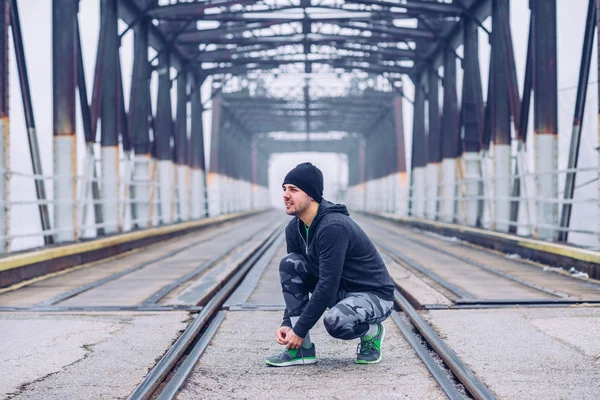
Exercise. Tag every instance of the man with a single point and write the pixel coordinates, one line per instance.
(331, 257)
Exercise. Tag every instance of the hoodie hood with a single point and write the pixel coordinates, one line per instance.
(327, 207)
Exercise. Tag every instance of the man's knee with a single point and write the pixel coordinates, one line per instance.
(336, 325)
(290, 264)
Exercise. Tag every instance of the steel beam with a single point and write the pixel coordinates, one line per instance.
(90, 174)
(4, 125)
(472, 113)
(584, 73)
(180, 146)
(34, 149)
(433, 146)
(138, 125)
(545, 115)
(501, 131)
(450, 139)
(419, 151)
(64, 74)
(110, 127)
(198, 164)
(131, 13)
(521, 137)
(162, 138)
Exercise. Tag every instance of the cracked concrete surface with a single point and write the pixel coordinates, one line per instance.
(529, 353)
(81, 356)
(233, 366)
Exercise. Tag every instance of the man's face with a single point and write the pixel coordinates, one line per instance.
(295, 200)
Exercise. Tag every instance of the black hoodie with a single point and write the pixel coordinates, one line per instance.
(345, 256)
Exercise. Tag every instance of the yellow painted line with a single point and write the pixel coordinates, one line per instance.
(20, 260)
(553, 248)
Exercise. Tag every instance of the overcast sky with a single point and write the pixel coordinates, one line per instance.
(36, 26)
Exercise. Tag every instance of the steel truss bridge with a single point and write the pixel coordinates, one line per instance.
(360, 68)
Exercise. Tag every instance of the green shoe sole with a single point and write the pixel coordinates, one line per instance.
(299, 361)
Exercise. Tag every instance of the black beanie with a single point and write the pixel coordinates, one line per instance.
(308, 178)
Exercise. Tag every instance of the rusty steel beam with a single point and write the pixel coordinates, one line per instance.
(64, 78)
(582, 86)
(34, 150)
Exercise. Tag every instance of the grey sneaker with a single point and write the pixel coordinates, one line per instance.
(290, 357)
(369, 349)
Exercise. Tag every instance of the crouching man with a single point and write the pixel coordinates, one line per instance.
(331, 257)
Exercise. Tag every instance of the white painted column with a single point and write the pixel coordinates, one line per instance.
(165, 186)
(502, 187)
(433, 179)
(546, 161)
(418, 199)
(472, 183)
(141, 187)
(401, 201)
(110, 189)
(528, 189)
(65, 188)
(198, 194)
(183, 192)
(214, 194)
(448, 190)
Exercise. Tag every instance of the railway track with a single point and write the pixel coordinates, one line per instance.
(171, 372)
(503, 282)
(151, 302)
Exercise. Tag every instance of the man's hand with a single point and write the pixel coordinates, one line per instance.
(292, 340)
(281, 334)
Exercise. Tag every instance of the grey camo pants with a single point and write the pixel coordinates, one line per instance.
(350, 313)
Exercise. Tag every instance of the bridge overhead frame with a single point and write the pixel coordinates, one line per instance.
(153, 169)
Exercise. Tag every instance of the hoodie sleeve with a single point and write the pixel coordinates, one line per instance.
(332, 244)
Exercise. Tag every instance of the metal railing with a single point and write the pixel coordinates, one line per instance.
(537, 216)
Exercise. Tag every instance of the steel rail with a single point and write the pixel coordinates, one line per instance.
(462, 294)
(160, 371)
(436, 371)
(474, 263)
(84, 288)
(464, 374)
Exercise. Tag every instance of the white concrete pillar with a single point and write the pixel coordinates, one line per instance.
(433, 179)
(183, 192)
(214, 194)
(502, 186)
(198, 194)
(110, 189)
(141, 189)
(546, 165)
(65, 188)
(419, 192)
(165, 186)
(472, 183)
(448, 190)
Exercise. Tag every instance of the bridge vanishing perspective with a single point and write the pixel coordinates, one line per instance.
(469, 158)
(137, 234)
